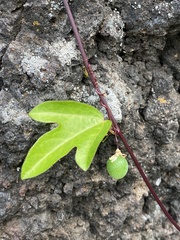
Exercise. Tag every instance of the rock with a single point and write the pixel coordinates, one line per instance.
(133, 47)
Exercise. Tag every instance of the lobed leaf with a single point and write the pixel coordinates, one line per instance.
(79, 125)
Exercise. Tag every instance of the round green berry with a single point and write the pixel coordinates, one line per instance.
(117, 167)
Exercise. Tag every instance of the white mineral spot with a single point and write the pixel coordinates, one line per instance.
(158, 181)
(64, 50)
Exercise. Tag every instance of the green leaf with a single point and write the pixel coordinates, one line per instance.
(79, 125)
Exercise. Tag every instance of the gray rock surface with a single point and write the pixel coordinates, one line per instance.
(134, 49)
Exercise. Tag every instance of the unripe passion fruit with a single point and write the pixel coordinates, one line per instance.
(117, 167)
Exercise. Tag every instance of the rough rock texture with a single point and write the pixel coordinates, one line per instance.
(134, 49)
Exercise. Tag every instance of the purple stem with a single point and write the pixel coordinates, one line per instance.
(110, 115)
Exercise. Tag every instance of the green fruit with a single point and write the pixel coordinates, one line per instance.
(117, 167)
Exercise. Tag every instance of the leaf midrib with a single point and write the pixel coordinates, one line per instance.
(62, 115)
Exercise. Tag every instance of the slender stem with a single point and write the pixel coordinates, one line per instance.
(110, 115)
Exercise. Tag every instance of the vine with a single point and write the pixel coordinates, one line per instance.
(116, 128)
